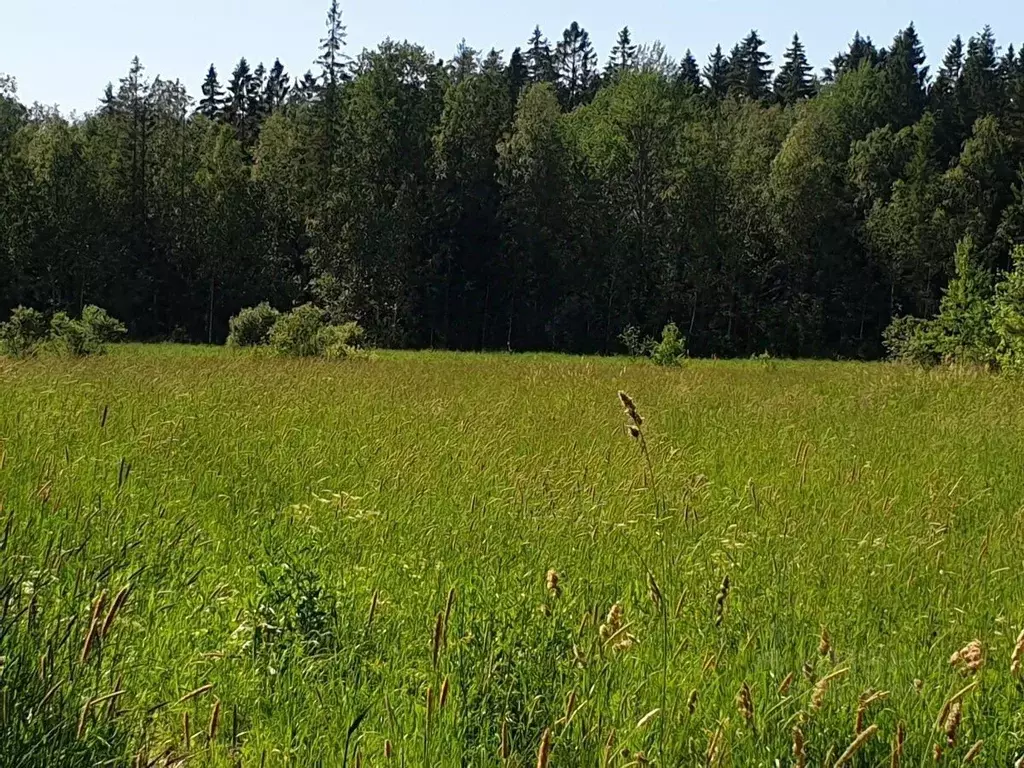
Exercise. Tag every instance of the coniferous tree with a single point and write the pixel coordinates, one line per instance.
(689, 72)
(980, 92)
(716, 73)
(540, 61)
(465, 63)
(306, 90)
(905, 77)
(943, 100)
(212, 103)
(237, 103)
(750, 73)
(333, 62)
(861, 50)
(518, 74)
(577, 66)
(793, 83)
(622, 56)
(275, 95)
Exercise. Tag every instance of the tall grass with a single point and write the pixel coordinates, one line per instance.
(435, 559)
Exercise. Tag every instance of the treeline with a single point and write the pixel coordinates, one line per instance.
(543, 201)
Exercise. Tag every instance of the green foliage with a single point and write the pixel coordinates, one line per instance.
(252, 326)
(1008, 316)
(71, 337)
(912, 340)
(671, 350)
(103, 328)
(290, 534)
(964, 323)
(635, 344)
(23, 332)
(300, 333)
(304, 332)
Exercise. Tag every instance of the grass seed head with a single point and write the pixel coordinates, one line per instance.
(544, 751)
(551, 582)
(653, 590)
(824, 642)
(974, 751)
(787, 681)
(952, 724)
(799, 748)
(970, 658)
(856, 745)
(442, 698)
(897, 745)
(388, 749)
(745, 703)
(504, 748)
(1017, 656)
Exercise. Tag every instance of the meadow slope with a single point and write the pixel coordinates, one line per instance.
(354, 556)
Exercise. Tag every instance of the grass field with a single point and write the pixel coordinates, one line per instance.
(354, 556)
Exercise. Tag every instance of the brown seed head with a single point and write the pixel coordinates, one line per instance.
(799, 748)
(551, 582)
(970, 658)
(388, 749)
(442, 698)
(974, 751)
(824, 642)
(745, 703)
(787, 681)
(953, 723)
(856, 745)
(1017, 657)
(544, 751)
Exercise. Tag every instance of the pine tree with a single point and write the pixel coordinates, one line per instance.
(622, 56)
(212, 103)
(540, 60)
(716, 73)
(108, 102)
(577, 62)
(793, 82)
(689, 72)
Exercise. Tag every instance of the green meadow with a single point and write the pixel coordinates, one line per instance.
(211, 558)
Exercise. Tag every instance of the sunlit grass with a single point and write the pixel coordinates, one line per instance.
(291, 532)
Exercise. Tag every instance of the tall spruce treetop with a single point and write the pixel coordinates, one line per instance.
(254, 96)
(238, 90)
(212, 103)
(540, 62)
(943, 99)
(518, 74)
(466, 62)
(793, 82)
(716, 73)
(980, 87)
(332, 61)
(905, 78)
(689, 72)
(275, 94)
(577, 66)
(622, 56)
(750, 73)
(861, 49)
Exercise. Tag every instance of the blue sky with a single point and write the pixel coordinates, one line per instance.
(65, 51)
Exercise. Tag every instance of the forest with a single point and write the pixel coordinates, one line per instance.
(543, 200)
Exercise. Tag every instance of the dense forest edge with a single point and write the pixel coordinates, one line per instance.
(542, 201)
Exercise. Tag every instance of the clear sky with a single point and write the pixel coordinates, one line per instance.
(64, 51)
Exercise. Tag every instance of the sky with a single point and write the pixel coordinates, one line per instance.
(64, 52)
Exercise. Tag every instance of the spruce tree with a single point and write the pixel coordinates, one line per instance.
(716, 73)
(979, 84)
(540, 60)
(861, 50)
(238, 95)
(466, 62)
(689, 72)
(212, 103)
(518, 75)
(275, 94)
(756, 72)
(622, 56)
(332, 60)
(254, 107)
(943, 100)
(793, 82)
(904, 78)
(577, 63)
(306, 90)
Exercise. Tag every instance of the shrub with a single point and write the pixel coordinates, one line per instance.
(912, 340)
(671, 349)
(22, 334)
(103, 328)
(341, 340)
(1008, 316)
(965, 312)
(252, 326)
(300, 333)
(72, 337)
(636, 346)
